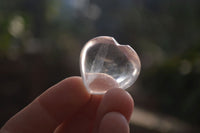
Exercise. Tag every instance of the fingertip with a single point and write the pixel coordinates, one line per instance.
(115, 100)
(118, 100)
(65, 97)
(114, 122)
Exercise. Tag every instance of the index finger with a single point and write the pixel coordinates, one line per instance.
(46, 112)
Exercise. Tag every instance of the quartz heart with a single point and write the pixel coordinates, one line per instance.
(105, 64)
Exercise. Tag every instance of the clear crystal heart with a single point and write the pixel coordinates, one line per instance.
(105, 64)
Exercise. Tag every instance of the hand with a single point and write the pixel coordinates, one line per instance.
(67, 107)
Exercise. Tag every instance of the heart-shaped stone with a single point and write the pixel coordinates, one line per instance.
(105, 64)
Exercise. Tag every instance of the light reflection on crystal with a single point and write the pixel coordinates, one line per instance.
(105, 64)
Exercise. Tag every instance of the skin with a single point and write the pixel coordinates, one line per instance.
(67, 107)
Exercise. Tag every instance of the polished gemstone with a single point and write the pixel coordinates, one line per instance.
(105, 64)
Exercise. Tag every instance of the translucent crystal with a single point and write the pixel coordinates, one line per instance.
(105, 64)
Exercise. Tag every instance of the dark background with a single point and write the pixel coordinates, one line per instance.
(40, 43)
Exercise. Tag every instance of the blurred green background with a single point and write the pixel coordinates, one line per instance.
(40, 43)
